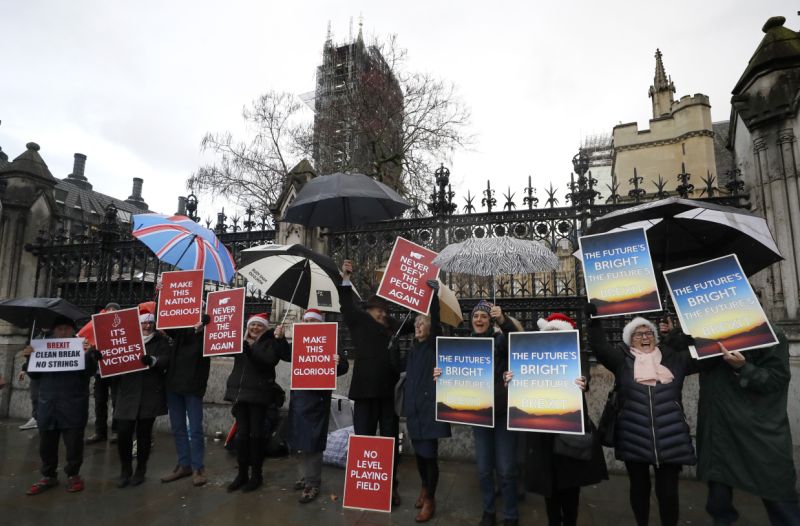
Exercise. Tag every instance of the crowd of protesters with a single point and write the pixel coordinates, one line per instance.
(743, 437)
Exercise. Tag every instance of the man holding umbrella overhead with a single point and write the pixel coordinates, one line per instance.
(375, 365)
(63, 410)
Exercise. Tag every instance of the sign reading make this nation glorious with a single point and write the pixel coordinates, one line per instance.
(404, 282)
(716, 303)
(118, 337)
(465, 390)
(313, 355)
(618, 272)
(223, 334)
(180, 300)
(542, 394)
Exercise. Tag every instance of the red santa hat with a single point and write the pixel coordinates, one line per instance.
(557, 322)
(261, 317)
(313, 314)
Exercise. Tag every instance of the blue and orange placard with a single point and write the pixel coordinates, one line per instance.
(618, 273)
(542, 394)
(465, 390)
(715, 303)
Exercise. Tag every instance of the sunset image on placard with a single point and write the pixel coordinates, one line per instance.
(542, 396)
(618, 273)
(465, 391)
(716, 303)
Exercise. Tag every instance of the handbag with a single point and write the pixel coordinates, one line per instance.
(579, 447)
(608, 420)
(399, 394)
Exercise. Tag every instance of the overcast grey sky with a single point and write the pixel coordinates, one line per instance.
(135, 86)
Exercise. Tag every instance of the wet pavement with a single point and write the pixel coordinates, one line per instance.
(179, 503)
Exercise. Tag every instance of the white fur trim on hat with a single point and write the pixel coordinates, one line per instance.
(147, 316)
(627, 332)
(259, 318)
(554, 325)
(313, 315)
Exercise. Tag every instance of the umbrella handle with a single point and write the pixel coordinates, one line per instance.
(33, 330)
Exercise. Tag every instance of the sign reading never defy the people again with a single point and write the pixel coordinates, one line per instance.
(410, 266)
(224, 332)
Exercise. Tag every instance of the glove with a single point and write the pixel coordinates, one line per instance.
(433, 283)
(590, 309)
(148, 360)
(206, 319)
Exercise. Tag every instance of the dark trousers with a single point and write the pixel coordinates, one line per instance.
(48, 450)
(429, 474)
(102, 395)
(144, 436)
(562, 507)
(370, 414)
(34, 393)
(666, 492)
(251, 435)
(720, 506)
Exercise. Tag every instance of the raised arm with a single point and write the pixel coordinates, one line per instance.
(612, 358)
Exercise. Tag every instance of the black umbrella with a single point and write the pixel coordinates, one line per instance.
(42, 312)
(340, 201)
(682, 232)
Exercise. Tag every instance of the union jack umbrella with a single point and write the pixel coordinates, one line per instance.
(181, 242)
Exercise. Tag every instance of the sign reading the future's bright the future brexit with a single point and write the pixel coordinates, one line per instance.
(618, 272)
(56, 354)
(465, 390)
(716, 303)
(542, 394)
(314, 355)
(180, 300)
(369, 473)
(224, 332)
(118, 337)
(405, 280)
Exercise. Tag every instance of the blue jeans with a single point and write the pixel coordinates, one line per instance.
(189, 445)
(495, 449)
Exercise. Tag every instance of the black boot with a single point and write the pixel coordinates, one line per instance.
(139, 474)
(125, 475)
(487, 519)
(242, 457)
(256, 463)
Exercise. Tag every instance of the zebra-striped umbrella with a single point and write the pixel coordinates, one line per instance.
(489, 256)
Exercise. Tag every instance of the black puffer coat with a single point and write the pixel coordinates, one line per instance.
(252, 379)
(375, 369)
(142, 394)
(651, 426)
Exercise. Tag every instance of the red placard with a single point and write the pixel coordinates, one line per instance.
(313, 352)
(403, 282)
(118, 337)
(224, 333)
(368, 479)
(180, 300)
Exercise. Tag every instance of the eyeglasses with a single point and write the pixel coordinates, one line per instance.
(643, 334)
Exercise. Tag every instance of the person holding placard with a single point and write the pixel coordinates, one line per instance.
(252, 389)
(186, 381)
(376, 364)
(309, 414)
(495, 448)
(139, 398)
(651, 428)
(62, 413)
(552, 472)
(743, 435)
(419, 405)
(101, 392)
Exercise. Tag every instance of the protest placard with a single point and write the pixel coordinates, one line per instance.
(404, 282)
(618, 273)
(224, 332)
(465, 390)
(118, 337)
(715, 303)
(313, 352)
(369, 473)
(180, 300)
(56, 355)
(542, 395)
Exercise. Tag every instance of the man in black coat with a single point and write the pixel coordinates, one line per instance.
(63, 410)
(375, 364)
(102, 395)
(186, 381)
